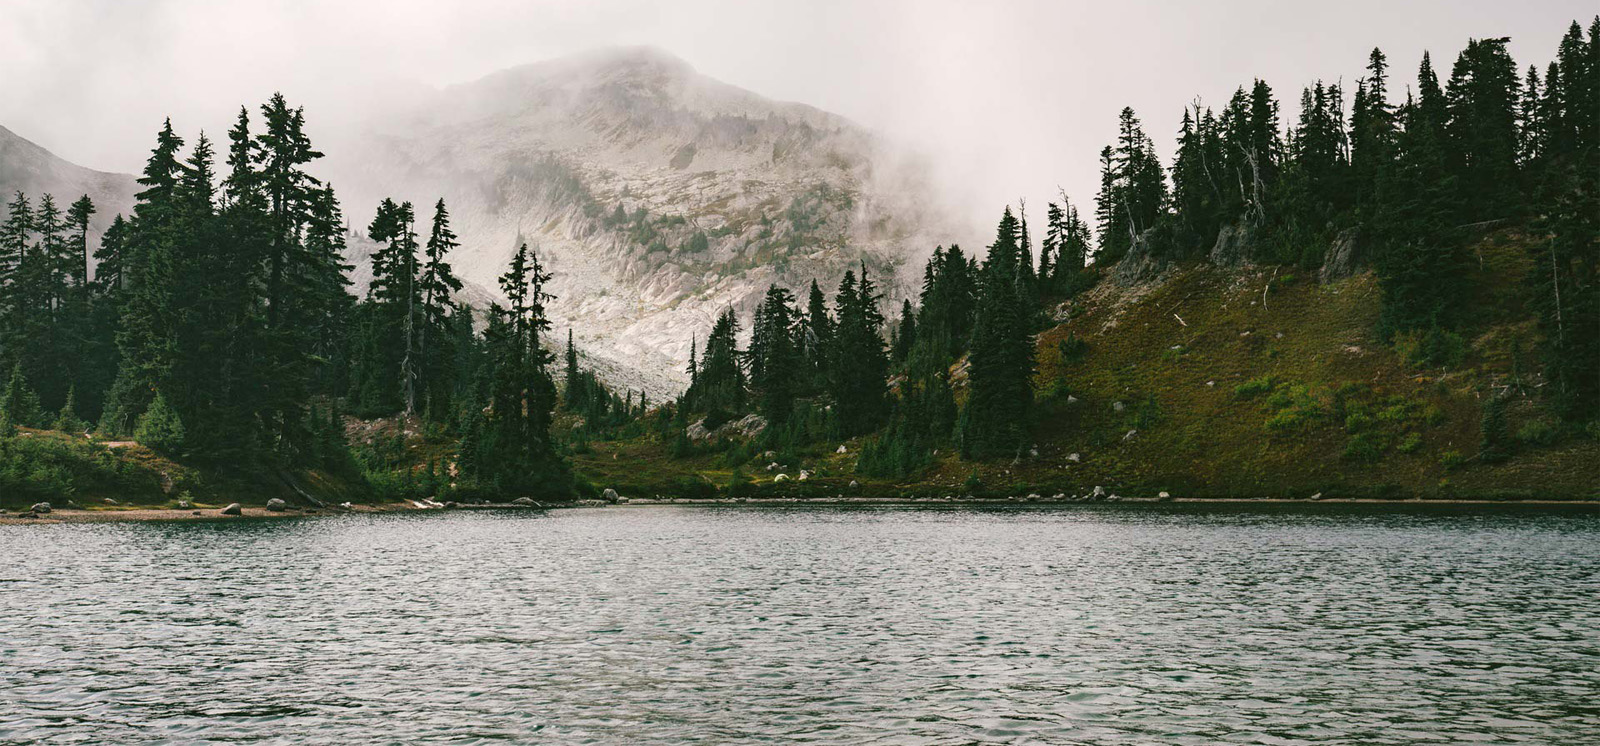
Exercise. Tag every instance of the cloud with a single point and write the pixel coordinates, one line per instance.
(1013, 99)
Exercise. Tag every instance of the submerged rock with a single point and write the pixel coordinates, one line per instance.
(233, 509)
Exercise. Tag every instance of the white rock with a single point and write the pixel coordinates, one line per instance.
(1074, 458)
(1130, 435)
(841, 449)
(781, 478)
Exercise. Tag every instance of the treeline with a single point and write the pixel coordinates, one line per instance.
(1410, 180)
(216, 322)
(824, 372)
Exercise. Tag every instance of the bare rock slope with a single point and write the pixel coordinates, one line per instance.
(656, 195)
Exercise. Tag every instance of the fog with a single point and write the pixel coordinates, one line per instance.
(1010, 99)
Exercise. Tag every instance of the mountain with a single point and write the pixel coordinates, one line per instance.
(657, 196)
(34, 171)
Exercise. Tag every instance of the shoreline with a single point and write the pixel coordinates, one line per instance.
(135, 514)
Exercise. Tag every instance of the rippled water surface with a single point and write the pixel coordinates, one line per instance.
(1083, 625)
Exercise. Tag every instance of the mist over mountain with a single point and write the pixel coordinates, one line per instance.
(25, 167)
(657, 195)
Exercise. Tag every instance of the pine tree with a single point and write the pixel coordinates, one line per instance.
(995, 420)
(859, 381)
(1481, 129)
(905, 334)
(436, 286)
(816, 341)
(160, 428)
(512, 449)
(1421, 270)
(1372, 132)
(775, 357)
(145, 335)
(1133, 191)
(14, 239)
(19, 406)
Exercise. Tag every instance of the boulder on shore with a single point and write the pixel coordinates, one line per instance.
(610, 495)
(233, 509)
(40, 508)
(276, 505)
(523, 501)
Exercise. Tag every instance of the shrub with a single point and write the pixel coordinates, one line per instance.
(974, 484)
(159, 428)
(1254, 387)
(1432, 348)
(1539, 432)
(55, 468)
(1410, 444)
(1365, 447)
(1452, 459)
(1071, 349)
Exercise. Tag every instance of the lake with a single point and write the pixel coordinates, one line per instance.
(1096, 624)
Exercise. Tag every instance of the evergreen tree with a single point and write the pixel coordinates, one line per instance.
(146, 340)
(775, 357)
(1481, 129)
(816, 341)
(905, 334)
(1372, 132)
(436, 286)
(512, 449)
(859, 382)
(1420, 269)
(1133, 190)
(995, 420)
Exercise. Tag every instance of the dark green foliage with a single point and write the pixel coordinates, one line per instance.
(1495, 434)
(67, 420)
(996, 418)
(719, 383)
(511, 449)
(19, 405)
(860, 364)
(775, 356)
(1133, 190)
(160, 428)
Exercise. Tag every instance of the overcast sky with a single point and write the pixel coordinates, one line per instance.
(1010, 98)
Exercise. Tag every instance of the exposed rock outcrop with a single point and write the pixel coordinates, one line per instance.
(1234, 244)
(1345, 256)
(1141, 264)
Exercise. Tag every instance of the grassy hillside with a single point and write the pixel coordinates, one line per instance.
(1223, 383)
